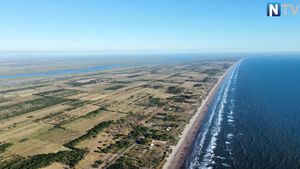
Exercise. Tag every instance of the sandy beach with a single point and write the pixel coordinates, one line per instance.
(180, 151)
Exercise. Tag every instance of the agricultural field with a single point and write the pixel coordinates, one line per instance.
(123, 118)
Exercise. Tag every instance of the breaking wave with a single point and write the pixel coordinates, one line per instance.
(205, 145)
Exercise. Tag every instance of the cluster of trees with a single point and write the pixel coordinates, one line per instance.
(49, 116)
(166, 117)
(174, 109)
(115, 87)
(90, 133)
(226, 66)
(123, 143)
(97, 163)
(153, 101)
(70, 158)
(79, 84)
(211, 72)
(181, 98)
(148, 133)
(19, 89)
(174, 89)
(198, 85)
(50, 92)
(29, 106)
(94, 113)
(3, 146)
(157, 135)
(205, 79)
(76, 103)
(139, 134)
(152, 85)
(125, 162)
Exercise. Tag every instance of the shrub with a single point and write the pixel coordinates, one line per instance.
(174, 90)
(4, 146)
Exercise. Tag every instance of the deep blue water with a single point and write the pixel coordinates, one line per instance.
(254, 120)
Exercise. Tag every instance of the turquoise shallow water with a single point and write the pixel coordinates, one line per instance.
(254, 120)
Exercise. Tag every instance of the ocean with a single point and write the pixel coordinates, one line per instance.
(253, 121)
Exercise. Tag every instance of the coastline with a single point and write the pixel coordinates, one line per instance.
(179, 152)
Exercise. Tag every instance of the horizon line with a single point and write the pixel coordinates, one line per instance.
(192, 51)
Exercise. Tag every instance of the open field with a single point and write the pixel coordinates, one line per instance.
(123, 118)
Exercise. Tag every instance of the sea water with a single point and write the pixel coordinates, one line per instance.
(254, 119)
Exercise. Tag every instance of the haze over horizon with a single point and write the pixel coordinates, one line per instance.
(171, 25)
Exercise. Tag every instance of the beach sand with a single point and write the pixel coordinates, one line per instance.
(180, 151)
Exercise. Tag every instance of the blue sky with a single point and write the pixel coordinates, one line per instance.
(145, 25)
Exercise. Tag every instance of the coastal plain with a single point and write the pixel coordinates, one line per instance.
(119, 118)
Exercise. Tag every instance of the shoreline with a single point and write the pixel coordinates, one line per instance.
(179, 152)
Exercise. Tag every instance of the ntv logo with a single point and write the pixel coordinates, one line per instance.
(274, 9)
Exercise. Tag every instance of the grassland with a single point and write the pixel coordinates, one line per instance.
(123, 118)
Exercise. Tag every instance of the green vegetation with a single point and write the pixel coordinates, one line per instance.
(93, 113)
(132, 76)
(23, 140)
(121, 82)
(75, 83)
(174, 90)
(157, 135)
(205, 79)
(77, 103)
(211, 72)
(134, 136)
(126, 162)
(79, 84)
(198, 85)
(29, 106)
(90, 133)
(226, 66)
(50, 92)
(115, 87)
(181, 98)
(148, 133)
(147, 118)
(69, 158)
(48, 116)
(58, 126)
(153, 86)
(166, 117)
(4, 146)
(174, 109)
(2, 100)
(20, 89)
(121, 144)
(59, 93)
(155, 102)
(97, 163)
(143, 140)
(9, 161)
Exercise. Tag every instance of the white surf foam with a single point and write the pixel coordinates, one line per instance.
(212, 127)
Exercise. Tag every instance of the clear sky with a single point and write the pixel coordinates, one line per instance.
(145, 25)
